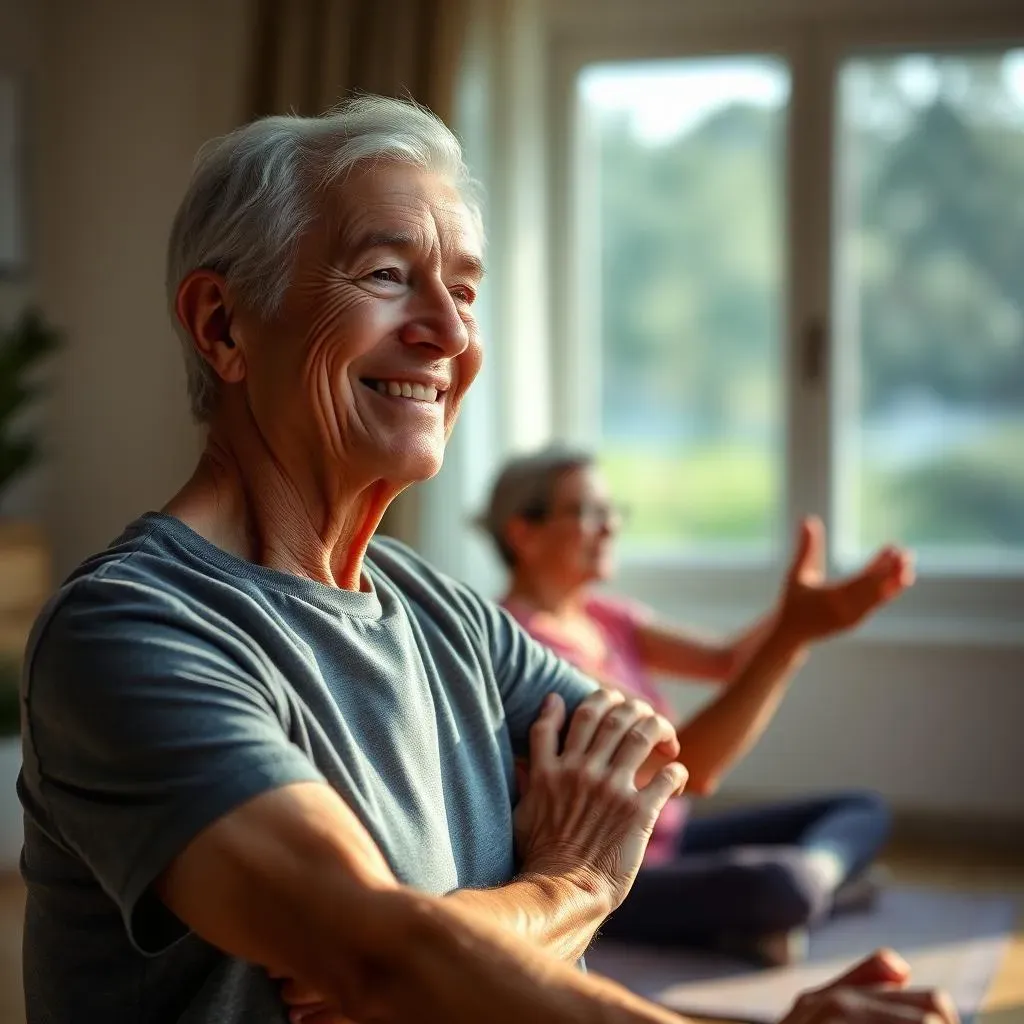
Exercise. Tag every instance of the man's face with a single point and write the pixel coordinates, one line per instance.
(366, 364)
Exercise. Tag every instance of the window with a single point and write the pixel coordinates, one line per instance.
(929, 306)
(786, 258)
(682, 179)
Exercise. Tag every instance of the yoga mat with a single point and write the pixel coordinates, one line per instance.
(953, 940)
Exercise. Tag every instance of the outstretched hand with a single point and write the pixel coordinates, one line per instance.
(812, 608)
(873, 992)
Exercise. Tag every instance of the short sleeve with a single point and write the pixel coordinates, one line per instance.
(527, 672)
(146, 721)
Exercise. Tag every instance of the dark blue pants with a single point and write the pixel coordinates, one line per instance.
(746, 871)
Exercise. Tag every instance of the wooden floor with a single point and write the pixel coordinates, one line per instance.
(1004, 1005)
(12, 906)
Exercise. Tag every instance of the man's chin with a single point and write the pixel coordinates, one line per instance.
(414, 463)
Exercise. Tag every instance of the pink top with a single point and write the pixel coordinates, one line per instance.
(617, 622)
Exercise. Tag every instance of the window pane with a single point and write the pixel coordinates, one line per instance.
(930, 300)
(683, 179)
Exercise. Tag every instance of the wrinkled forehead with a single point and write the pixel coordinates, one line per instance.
(396, 205)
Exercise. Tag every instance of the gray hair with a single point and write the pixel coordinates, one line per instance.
(253, 195)
(525, 487)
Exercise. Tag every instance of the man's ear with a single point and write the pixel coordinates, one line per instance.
(202, 308)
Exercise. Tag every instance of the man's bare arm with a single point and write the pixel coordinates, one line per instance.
(551, 913)
(292, 881)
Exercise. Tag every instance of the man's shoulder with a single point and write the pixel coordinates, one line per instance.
(144, 552)
(138, 580)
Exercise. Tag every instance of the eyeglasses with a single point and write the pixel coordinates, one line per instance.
(591, 515)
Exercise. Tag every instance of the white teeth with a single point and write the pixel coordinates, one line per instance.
(403, 389)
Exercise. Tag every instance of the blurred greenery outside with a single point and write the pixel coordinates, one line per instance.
(931, 321)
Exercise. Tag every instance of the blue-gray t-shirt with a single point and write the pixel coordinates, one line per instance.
(167, 682)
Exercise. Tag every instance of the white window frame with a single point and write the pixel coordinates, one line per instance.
(813, 37)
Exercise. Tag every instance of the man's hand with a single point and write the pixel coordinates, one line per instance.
(811, 608)
(873, 992)
(582, 817)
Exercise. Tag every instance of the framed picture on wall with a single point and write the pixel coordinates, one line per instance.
(12, 208)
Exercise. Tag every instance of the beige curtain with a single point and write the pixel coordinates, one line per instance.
(309, 54)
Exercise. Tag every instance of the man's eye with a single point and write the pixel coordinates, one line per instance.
(464, 295)
(388, 274)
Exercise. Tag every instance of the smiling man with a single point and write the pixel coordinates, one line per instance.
(269, 760)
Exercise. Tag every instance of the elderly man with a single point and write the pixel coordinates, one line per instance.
(269, 760)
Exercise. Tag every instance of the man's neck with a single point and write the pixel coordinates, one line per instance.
(243, 500)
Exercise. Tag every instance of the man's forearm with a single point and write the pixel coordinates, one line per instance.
(552, 913)
(292, 881)
(726, 728)
(446, 964)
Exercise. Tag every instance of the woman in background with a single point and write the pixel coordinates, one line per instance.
(749, 881)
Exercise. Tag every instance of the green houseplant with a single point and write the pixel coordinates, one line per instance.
(24, 559)
(9, 705)
(24, 346)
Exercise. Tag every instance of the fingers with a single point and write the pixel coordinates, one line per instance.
(857, 1006)
(893, 568)
(545, 731)
(649, 734)
(856, 998)
(627, 735)
(885, 578)
(630, 724)
(808, 564)
(669, 782)
(883, 967)
(929, 1002)
(585, 721)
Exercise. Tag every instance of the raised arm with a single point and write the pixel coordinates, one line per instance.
(680, 653)
(810, 610)
(292, 881)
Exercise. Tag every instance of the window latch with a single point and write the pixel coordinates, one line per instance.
(814, 350)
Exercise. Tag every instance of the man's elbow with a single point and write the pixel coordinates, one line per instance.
(381, 975)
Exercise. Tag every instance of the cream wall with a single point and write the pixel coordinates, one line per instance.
(124, 93)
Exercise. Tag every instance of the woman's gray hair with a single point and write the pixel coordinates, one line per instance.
(255, 191)
(525, 487)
